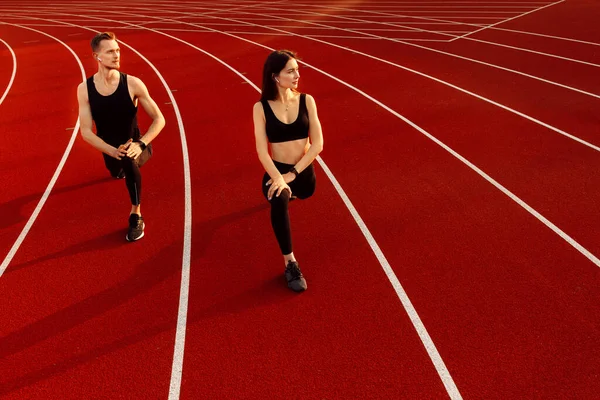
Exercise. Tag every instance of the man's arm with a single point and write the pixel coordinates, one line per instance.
(158, 121)
(85, 126)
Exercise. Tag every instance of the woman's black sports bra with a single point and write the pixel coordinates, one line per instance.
(279, 132)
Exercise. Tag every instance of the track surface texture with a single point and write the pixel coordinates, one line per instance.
(450, 248)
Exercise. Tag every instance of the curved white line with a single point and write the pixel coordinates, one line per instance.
(63, 160)
(12, 78)
(177, 367)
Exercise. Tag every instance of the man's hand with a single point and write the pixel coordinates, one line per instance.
(121, 151)
(133, 149)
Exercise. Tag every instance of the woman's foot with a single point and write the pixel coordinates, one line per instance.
(294, 277)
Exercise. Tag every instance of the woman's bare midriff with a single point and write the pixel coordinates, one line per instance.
(289, 152)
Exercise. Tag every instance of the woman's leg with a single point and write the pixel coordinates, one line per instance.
(280, 218)
(305, 183)
(280, 221)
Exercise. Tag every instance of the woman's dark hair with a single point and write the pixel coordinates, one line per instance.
(273, 65)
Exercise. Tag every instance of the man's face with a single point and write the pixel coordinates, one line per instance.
(109, 54)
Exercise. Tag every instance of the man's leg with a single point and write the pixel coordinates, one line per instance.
(133, 181)
(114, 167)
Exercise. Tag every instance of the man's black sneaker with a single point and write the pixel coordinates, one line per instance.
(136, 228)
(294, 277)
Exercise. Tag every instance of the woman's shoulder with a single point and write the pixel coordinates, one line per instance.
(309, 100)
(258, 110)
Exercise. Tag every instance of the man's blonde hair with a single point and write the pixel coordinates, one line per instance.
(99, 38)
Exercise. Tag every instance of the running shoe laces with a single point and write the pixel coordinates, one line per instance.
(294, 277)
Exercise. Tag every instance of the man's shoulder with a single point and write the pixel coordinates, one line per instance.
(83, 85)
(135, 83)
(133, 79)
(82, 88)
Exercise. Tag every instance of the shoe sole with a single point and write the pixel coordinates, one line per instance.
(301, 289)
(141, 236)
(297, 291)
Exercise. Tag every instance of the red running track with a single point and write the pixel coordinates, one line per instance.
(511, 307)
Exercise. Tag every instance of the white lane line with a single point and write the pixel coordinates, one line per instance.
(178, 354)
(414, 317)
(403, 41)
(12, 76)
(440, 19)
(511, 110)
(547, 36)
(443, 33)
(509, 19)
(46, 194)
(177, 367)
(103, 27)
(428, 21)
(279, 14)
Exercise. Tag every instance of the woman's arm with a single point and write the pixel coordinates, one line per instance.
(262, 149)
(315, 134)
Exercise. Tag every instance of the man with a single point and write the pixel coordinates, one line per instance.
(110, 99)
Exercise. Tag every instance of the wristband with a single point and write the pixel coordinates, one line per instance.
(294, 171)
(141, 144)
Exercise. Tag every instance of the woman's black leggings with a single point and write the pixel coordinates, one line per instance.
(302, 187)
(131, 169)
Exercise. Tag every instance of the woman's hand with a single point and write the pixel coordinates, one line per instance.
(278, 185)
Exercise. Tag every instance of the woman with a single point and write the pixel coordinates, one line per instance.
(288, 121)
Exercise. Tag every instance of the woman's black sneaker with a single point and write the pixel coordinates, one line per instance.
(136, 228)
(294, 277)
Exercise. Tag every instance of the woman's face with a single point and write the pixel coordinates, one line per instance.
(289, 76)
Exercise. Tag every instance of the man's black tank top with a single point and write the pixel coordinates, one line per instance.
(278, 131)
(115, 115)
